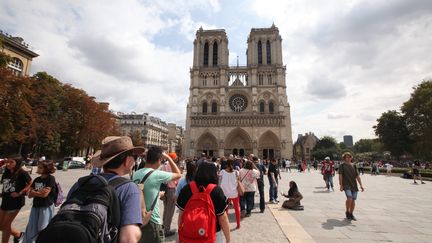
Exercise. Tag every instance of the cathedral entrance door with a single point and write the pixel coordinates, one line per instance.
(268, 154)
(239, 152)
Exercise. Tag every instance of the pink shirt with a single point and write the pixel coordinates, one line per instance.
(166, 167)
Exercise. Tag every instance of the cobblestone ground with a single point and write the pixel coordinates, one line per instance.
(260, 227)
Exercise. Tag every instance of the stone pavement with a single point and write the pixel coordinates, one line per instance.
(390, 210)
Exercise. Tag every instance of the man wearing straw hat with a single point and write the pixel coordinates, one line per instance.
(117, 159)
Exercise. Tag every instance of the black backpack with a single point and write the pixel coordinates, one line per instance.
(91, 214)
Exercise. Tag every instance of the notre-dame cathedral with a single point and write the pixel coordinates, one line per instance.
(238, 109)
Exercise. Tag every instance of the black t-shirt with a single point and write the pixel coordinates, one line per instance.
(218, 198)
(273, 169)
(13, 185)
(38, 184)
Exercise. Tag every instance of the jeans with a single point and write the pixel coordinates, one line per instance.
(328, 180)
(273, 189)
(247, 200)
(261, 194)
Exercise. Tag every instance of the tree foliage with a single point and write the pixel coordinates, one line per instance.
(326, 146)
(393, 132)
(368, 145)
(418, 117)
(44, 116)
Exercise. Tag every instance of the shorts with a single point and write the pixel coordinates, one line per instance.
(416, 172)
(351, 194)
(152, 233)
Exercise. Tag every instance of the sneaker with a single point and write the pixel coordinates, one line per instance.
(415, 182)
(277, 201)
(19, 238)
(352, 217)
(423, 182)
(262, 211)
(170, 233)
(348, 215)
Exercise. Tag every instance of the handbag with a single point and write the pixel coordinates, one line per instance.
(240, 187)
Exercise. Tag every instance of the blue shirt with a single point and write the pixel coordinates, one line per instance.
(182, 183)
(130, 201)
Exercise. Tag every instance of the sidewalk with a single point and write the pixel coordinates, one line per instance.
(391, 209)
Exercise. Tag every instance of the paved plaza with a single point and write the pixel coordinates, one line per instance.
(390, 210)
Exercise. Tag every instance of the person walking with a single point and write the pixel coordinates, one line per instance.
(228, 182)
(248, 177)
(153, 231)
(348, 178)
(16, 183)
(43, 192)
(328, 171)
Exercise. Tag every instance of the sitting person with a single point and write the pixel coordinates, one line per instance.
(294, 197)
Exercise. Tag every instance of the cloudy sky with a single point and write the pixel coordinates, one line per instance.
(348, 61)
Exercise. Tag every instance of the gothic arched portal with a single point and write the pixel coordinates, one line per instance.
(238, 142)
(269, 146)
(207, 144)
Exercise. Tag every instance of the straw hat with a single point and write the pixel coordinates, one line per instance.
(112, 147)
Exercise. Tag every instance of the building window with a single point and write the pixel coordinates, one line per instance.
(259, 52)
(271, 107)
(260, 79)
(268, 52)
(261, 107)
(215, 54)
(214, 107)
(206, 54)
(204, 107)
(16, 66)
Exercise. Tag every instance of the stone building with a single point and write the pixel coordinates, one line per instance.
(175, 138)
(304, 145)
(238, 109)
(153, 131)
(21, 55)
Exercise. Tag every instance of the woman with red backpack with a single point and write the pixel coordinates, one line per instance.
(202, 207)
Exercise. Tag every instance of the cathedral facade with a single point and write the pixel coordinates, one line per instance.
(238, 109)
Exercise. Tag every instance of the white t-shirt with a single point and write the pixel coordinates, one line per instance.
(228, 182)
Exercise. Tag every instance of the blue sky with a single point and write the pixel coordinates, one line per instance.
(347, 61)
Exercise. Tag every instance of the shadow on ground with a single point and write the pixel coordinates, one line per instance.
(332, 223)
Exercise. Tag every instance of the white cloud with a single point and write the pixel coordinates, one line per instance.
(347, 61)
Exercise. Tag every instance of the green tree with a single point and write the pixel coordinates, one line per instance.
(326, 146)
(418, 116)
(393, 133)
(368, 145)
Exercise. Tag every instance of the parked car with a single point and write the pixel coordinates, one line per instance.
(72, 164)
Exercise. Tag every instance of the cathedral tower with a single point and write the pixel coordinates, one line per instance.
(242, 109)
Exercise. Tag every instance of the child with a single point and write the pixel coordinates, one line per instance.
(43, 192)
(294, 197)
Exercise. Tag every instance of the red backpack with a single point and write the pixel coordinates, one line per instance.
(198, 221)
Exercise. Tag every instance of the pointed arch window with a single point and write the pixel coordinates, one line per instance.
(214, 107)
(268, 52)
(204, 107)
(206, 54)
(215, 54)
(271, 107)
(259, 52)
(261, 107)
